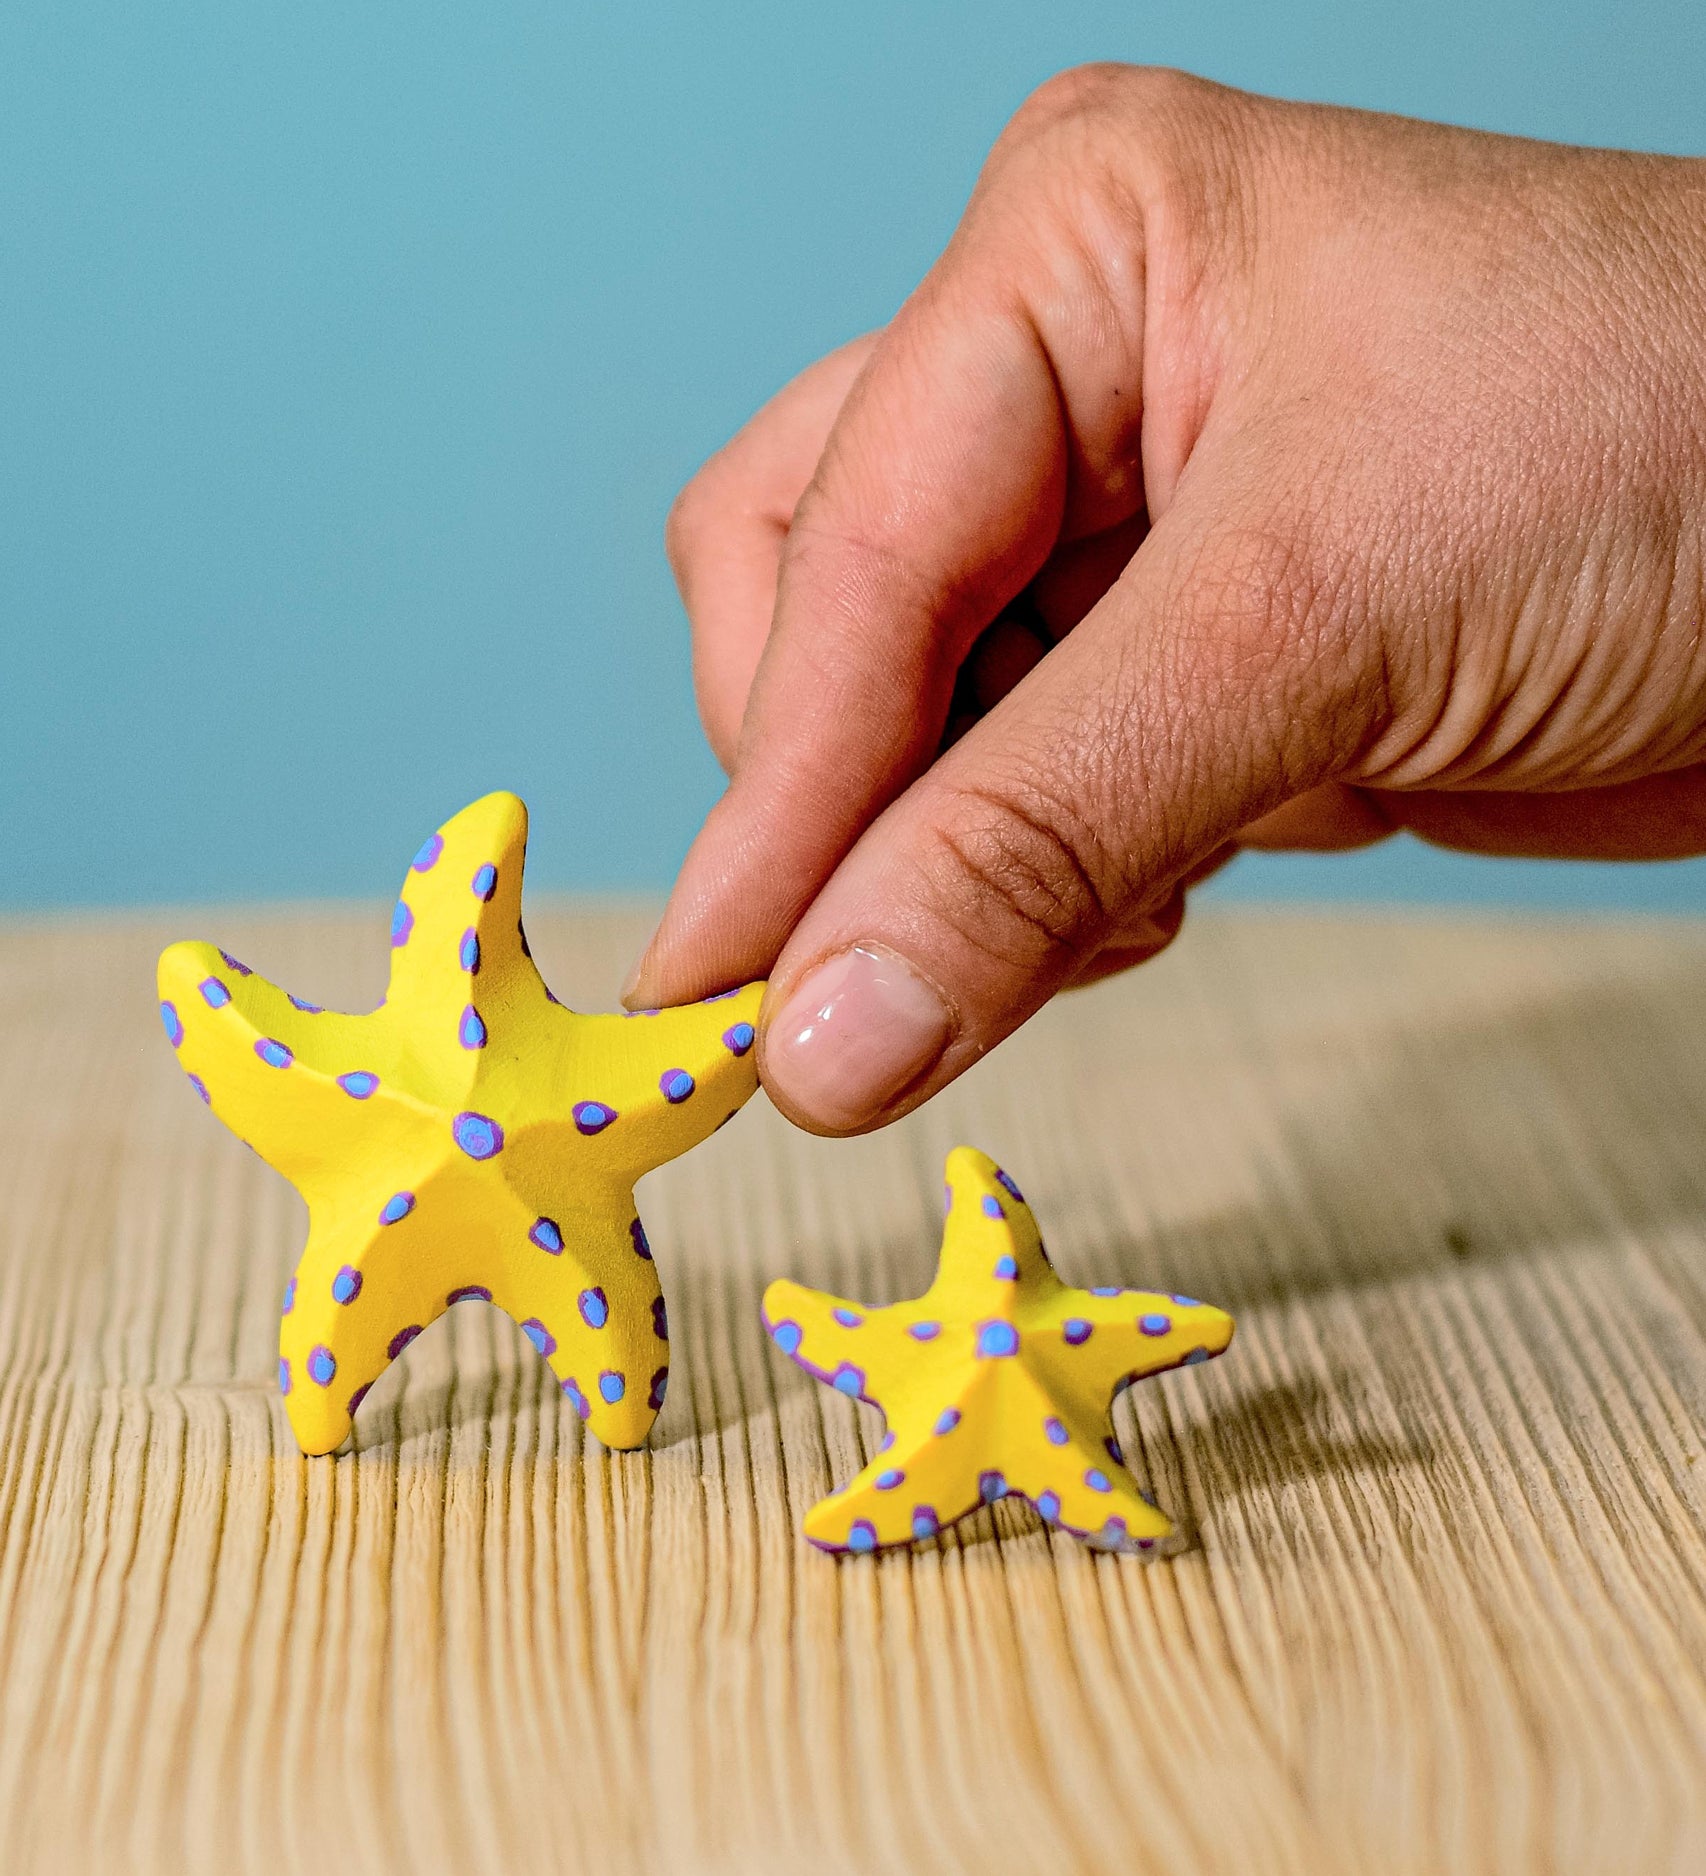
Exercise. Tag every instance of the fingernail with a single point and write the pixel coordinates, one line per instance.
(859, 1029)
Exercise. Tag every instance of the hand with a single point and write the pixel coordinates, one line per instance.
(1264, 475)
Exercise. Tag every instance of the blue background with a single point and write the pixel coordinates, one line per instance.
(350, 356)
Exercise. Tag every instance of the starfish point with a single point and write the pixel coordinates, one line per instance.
(998, 1380)
(470, 1138)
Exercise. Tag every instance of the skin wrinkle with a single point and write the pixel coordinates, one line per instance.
(1192, 211)
(1424, 758)
(1268, 612)
(1531, 709)
(1519, 738)
(959, 608)
(1515, 696)
(1044, 352)
(1428, 763)
(864, 563)
(1691, 579)
(1101, 489)
(1207, 671)
(1046, 893)
(1501, 754)
(1609, 689)
(1075, 804)
(1066, 803)
(1090, 890)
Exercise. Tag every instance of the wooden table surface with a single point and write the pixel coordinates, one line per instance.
(1442, 1601)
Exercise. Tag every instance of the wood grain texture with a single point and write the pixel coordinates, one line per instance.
(1443, 1605)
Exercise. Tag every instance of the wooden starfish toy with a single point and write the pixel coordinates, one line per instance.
(998, 1380)
(470, 1138)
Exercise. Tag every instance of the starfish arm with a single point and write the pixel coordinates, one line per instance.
(595, 1311)
(935, 1460)
(1089, 1344)
(302, 1086)
(992, 1255)
(460, 969)
(1003, 1437)
(1059, 1452)
(1085, 1490)
(349, 1311)
(911, 1489)
(822, 1334)
(645, 1088)
(582, 1287)
(986, 1217)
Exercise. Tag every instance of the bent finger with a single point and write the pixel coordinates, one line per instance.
(941, 492)
(728, 527)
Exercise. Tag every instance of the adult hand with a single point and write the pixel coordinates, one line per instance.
(1351, 474)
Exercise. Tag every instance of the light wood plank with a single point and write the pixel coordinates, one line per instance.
(1442, 1607)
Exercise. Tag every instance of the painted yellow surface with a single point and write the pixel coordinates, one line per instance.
(999, 1379)
(470, 1138)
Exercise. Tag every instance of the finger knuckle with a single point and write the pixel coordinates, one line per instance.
(684, 526)
(1110, 144)
(1026, 881)
(1163, 105)
(1070, 94)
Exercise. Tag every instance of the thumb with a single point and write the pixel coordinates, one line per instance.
(1203, 690)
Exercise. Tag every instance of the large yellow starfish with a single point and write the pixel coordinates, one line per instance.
(470, 1138)
(998, 1380)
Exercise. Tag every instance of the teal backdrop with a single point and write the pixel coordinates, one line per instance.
(350, 356)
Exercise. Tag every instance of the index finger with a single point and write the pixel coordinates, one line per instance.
(939, 495)
(730, 524)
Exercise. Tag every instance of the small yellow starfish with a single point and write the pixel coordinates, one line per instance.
(998, 1380)
(470, 1138)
